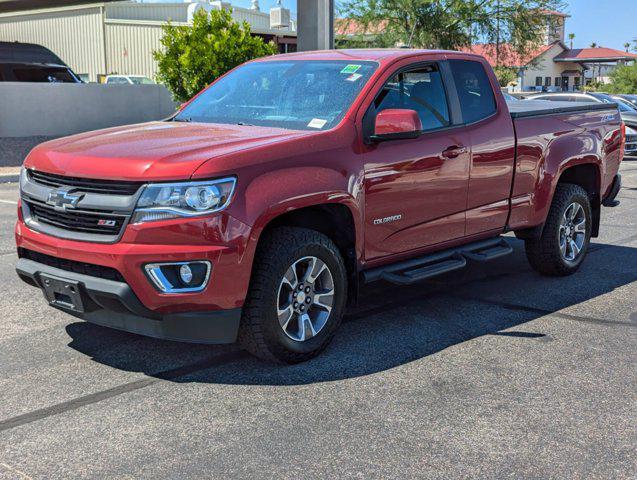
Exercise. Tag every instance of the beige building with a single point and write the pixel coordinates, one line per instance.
(553, 66)
(119, 37)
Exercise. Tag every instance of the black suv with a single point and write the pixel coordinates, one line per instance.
(27, 62)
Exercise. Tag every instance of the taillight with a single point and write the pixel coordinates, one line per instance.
(622, 147)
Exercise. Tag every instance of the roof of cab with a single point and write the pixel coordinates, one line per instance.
(362, 54)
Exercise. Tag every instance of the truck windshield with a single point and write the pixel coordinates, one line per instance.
(297, 95)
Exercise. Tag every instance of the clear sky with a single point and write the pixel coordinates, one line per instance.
(609, 23)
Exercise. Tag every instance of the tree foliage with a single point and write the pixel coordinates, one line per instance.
(624, 79)
(194, 56)
(505, 75)
(453, 24)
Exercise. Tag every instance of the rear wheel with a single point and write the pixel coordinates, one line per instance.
(296, 297)
(566, 235)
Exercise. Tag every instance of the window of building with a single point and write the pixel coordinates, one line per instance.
(475, 92)
(558, 82)
(421, 90)
(547, 81)
(538, 81)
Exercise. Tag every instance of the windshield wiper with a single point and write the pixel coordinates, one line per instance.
(244, 124)
(185, 119)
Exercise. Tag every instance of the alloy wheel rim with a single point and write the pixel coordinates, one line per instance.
(305, 298)
(572, 234)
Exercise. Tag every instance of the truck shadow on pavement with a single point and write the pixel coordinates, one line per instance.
(393, 326)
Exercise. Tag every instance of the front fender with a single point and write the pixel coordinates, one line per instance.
(279, 192)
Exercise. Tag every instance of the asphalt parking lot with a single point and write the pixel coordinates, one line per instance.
(491, 372)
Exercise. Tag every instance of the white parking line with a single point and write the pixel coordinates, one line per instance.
(10, 202)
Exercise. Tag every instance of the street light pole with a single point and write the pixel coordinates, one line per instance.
(315, 24)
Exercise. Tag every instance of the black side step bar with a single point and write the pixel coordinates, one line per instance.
(421, 268)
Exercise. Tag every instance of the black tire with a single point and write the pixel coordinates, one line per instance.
(544, 253)
(260, 332)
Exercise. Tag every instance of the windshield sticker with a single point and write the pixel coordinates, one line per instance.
(351, 69)
(317, 123)
(353, 77)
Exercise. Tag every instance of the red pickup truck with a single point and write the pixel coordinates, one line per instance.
(261, 208)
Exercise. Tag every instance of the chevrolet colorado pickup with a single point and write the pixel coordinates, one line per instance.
(261, 208)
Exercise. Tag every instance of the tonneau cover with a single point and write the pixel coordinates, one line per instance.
(534, 108)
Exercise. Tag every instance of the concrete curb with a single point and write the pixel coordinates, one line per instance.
(10, 178)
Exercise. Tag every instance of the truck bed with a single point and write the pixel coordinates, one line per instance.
(536, 108)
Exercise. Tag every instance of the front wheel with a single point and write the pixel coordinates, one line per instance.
(296, 298)
(566, 235)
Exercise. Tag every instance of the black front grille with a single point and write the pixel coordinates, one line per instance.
(106, 187)
(99, 271)
(77, 221)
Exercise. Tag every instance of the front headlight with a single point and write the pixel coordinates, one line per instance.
(163, 201)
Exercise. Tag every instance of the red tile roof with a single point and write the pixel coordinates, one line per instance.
(348, 26)
(508, 56)
(583, 54)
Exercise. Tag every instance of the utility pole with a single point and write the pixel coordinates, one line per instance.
(315, 24)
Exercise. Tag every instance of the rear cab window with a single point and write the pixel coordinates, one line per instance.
(475, 92)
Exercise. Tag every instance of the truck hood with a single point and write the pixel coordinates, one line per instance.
(150, 151)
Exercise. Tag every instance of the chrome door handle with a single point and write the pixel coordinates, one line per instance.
(454, 151)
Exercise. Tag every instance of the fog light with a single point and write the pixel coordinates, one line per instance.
(179, 277)
(185, 273)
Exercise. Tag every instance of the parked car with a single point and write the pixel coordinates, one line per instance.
(632, 99)
(509, 98)
(627, 111)
(262, 208)
(128, 80)
(26, 62)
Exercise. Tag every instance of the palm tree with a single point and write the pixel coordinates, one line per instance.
(571, 37)
(593, 45)
(627, 46)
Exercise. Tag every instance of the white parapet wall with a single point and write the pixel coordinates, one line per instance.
(55, 110)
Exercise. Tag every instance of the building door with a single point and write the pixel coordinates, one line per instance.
(565, 84)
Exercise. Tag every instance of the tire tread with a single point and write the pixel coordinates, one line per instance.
(541, 252)
(277, 245)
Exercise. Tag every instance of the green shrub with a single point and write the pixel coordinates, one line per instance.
(624, 79)
(506, 75)
(194, 56)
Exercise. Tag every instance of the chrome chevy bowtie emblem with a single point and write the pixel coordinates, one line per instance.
(62, 199)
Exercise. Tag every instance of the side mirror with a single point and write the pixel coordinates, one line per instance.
(397, 123)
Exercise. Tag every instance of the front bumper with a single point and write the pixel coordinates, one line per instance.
(630, 150)
(114, 304)
(220, 240)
